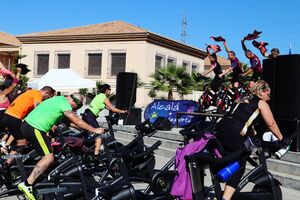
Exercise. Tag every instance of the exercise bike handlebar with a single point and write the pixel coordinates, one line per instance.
(217, 162)
(148, 150)
(274, 146)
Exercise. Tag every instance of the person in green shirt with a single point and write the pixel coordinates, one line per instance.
(99, 103)
(36, 125)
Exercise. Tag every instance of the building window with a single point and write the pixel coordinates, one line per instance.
(171, 61)
(63, 60)
(186, 66)
(94, 64)
(159, 61)
(118, 63)
(42, 63)
(195, 68)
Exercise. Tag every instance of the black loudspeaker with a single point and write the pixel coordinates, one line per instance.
(288, 127)
(162, 123)
(134, 118)
(126, 90)
(282, 73)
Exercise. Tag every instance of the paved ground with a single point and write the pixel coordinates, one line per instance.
(160, 161)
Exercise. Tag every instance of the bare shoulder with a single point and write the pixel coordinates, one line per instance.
(263, 104)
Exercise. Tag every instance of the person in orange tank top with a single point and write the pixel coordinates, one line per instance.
(19, 109)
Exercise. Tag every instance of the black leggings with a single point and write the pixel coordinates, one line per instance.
(216, 83)
(234, 180)
(232, 141)
(90, 118)
(2, 126)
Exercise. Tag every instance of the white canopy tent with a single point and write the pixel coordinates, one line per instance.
(62, 79)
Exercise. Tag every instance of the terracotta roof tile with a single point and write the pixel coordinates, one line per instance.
(103, 28)
(109, 31)
(7, 39)
(223, 61)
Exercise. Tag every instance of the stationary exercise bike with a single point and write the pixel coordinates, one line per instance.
(265, 185)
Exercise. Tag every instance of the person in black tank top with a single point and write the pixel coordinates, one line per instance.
(216, 68)
(238, 123)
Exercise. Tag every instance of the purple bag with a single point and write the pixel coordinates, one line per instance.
(182, 186)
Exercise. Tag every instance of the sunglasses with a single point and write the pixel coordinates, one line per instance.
(76, 101)
(265, 87)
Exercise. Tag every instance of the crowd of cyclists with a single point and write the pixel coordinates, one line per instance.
(245, 105)
(222, 95)
(34, 114)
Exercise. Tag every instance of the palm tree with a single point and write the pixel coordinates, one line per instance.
(200, 83)
(171, 77)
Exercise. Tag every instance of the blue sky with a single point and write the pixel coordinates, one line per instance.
(278, 19)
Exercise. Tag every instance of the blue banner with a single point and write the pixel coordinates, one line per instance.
(169, 108)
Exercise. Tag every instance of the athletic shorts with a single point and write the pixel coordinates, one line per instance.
(90, 118)
(38, 139)
(13, 125)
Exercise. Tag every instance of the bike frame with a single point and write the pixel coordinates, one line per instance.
(260, 176)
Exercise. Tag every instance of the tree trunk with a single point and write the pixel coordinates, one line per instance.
(170, 95)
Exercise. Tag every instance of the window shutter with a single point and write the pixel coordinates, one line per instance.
(42, 64)
(118, 62)
(63, 61)
(95, 63)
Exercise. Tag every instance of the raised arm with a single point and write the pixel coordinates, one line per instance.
(208, 53)
(211, 68)
(243, 45)
(14, 84)
(226, 47)
(265, 54)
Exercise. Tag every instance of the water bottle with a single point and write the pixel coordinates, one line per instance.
(224, 174)
(278, 154)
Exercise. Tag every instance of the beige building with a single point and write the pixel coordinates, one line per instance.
(101, 51)
(9, 49)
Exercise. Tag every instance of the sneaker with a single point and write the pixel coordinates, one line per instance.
(27, 190)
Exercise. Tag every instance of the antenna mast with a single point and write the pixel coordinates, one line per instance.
(183, 29)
